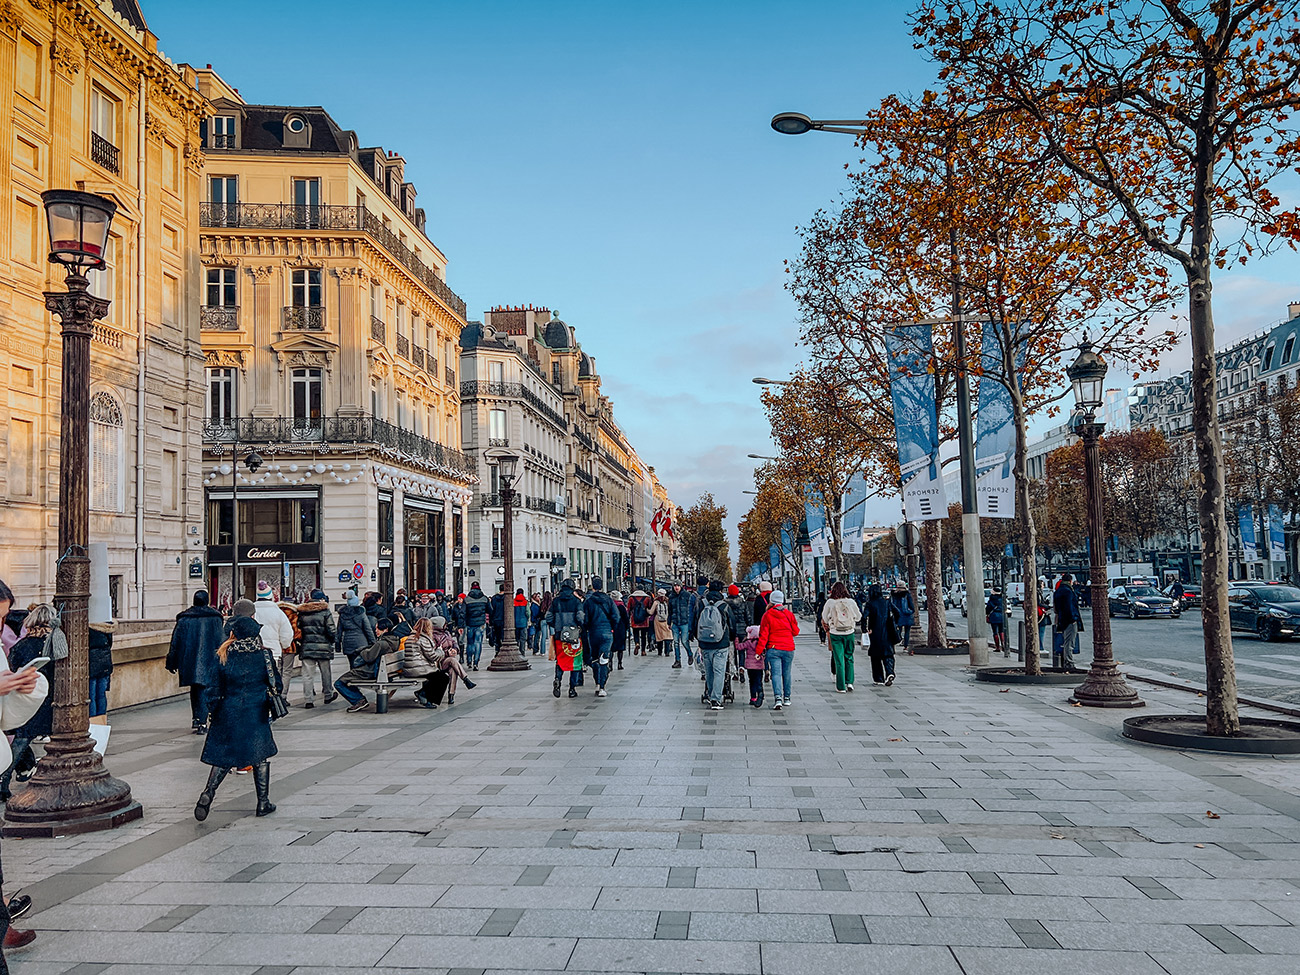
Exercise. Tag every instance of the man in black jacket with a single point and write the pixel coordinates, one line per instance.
(316, 647)
(476, 621)
(598, 631)
(194, 644)
(371, 659)
(566, 612)
(712, 627)
(1067, 620)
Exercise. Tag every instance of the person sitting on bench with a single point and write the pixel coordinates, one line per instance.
(368, 663)
(430, 653)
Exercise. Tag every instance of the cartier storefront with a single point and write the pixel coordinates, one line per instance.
(279, 543)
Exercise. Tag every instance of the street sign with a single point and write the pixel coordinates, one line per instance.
(908, 535)
(358, 571)
(345, 576)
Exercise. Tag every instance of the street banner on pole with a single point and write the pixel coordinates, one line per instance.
(814, 516)
(853, 518)
(1246, 525)
(1276, 535)
(995, 433)
(916, 421)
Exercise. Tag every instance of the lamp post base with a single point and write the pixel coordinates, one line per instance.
(70, 792)
(1105, 687)
(508, 657)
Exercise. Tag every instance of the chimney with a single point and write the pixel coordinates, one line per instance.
(1293, 310)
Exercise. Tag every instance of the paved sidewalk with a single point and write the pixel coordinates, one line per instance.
(937, 826)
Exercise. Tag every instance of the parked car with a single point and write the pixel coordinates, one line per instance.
(1015, 593)
(1271, 612)
(1190, 598)
(953, 597)
(1135, 601)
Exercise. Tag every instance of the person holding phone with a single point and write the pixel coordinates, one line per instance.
(22, 694)
(31, 650)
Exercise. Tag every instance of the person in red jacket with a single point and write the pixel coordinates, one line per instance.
(776, 639)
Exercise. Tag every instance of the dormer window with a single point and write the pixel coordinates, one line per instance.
(297, 132)
(1287, 349)
(223, 132)
(296, 125)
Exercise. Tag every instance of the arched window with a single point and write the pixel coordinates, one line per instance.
(107, 463)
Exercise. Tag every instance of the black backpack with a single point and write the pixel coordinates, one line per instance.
(639, 612)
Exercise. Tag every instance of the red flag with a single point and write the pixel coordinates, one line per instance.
(667, 527)
(654, 522)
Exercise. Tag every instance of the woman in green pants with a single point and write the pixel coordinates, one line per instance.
(840, 617)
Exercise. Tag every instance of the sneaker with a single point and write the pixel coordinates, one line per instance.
(889, 680)
(604, 661)
(331, 698)
(848, 687)
(839, 690)
(785, 701)
(243, 771)
(555, 688)
(600, 692)
(716, 705)
(776, 706)
(573, 692)
(359, 706)
(676, 666)
(19, 905)
(309, 705)
(15, 939)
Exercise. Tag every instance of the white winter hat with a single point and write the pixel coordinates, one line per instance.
(764, 586)
(777, 598)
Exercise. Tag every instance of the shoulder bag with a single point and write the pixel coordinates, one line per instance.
(277, 705)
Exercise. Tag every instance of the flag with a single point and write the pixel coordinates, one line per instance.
(995, 432)
(854, 514)
(916, 421)
(666, 525)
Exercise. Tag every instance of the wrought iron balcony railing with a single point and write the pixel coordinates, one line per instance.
(288, 216)
(584, 476)
(104, 153)
(339, 431)
(473, 388)
(219, 318)
(403, 346)
(417, 356)
(304, 318)
(378, 331)
(546, 505)
(449, 376)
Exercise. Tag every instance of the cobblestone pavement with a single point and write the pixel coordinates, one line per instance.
(936, 826)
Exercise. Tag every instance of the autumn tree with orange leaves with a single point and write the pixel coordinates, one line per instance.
(958, 209)
(777, 503)
(1175, 115)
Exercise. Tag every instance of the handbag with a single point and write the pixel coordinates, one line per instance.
(277, 705)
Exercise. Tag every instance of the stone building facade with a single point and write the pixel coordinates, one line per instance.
(329, 337)
(91, 103)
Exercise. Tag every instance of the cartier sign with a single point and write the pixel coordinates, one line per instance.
(264, 555)
(385, 551)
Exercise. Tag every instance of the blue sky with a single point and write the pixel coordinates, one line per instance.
(613, 161)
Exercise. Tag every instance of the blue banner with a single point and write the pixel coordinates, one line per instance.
(854, 516)
(1246, 525)
(916, 421)
(814, 516)
(1276, 535)
(995, 431)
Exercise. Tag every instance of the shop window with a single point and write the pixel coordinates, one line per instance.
(107, 460)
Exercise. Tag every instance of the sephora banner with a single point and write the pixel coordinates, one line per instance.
(916, 421)
(853, 518)
(995, 433)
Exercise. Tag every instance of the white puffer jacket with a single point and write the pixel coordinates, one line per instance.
(841, 616)
(16, 709)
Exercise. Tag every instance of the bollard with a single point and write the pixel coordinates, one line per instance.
(1020, 641)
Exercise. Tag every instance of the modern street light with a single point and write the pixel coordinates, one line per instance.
(507, 656)
(764, 457)
(760, 381)
(1104, 687)
(796, 123)
(71, 791)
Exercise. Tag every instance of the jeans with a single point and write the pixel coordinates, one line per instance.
(782, 664)
(351, 694)
(682, 638)
(715, 672)
(640, 639)
(573, 675)
(842, 657)
(309, 669)
(473, 645)
(882, 667)
(543, 637)
(598, 644)
(99, 695)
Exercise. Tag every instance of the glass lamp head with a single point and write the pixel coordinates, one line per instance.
(78, 224)
(1088, 377)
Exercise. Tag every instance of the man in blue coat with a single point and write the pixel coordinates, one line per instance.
(194, 644)
(681, 606)
(476, 619)
(598, 631)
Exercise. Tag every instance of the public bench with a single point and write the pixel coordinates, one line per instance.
(388, 681)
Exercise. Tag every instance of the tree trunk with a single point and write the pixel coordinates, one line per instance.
(1028, 540)
(936, 618)
(1221, 716)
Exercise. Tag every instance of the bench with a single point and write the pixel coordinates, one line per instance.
(388, 681)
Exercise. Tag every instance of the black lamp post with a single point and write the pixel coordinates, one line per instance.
(631, 571)
(253, 461)
(71, 791)
(507, 656)
(1104, 687)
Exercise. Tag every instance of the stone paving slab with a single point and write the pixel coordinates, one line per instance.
(937, 826)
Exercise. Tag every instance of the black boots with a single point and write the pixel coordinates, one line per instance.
(262, 779)
(209, 793)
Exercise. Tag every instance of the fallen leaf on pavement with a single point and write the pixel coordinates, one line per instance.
(1057, 836)
(1210, 814)
(1200, 846)
(895, 739)
(1005, 690)
(1075, 704)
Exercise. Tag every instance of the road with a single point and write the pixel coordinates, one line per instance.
(1175, 648)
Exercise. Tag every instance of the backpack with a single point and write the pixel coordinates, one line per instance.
(639, 614)
(712, 629)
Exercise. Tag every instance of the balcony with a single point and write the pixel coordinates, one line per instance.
(584, 477)
(104, 153)
(403, 346)
(417, 356)
(448, 375)
(340, 431)
(378, 330)
(489, 500)
(107, 336)
(288, 216)
(498, 441)
(223, 140)
(219, 318)
(304, 318)
(545, 505)
(471, 389)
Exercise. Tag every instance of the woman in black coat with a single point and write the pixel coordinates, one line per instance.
(881, 621)
(235, 696)
(195, 639)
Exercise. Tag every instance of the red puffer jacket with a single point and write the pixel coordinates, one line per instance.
(778, 629)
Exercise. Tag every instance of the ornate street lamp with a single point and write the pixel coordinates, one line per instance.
(71, 791)
(1104, 687)
(507, 656)
(253, 461)
(631, 571)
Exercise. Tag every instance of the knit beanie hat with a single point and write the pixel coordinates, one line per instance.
(318, 594)
(764, 586)
(438, 622)
(263, 589)
(244, 607)
(353, 600)
(777, 598)
(733, 590)
(201, 598)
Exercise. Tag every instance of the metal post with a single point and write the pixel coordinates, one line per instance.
(1104, 687)
(508, 656)
(71, 791)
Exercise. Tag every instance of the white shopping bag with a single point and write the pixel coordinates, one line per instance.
(99, 735)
